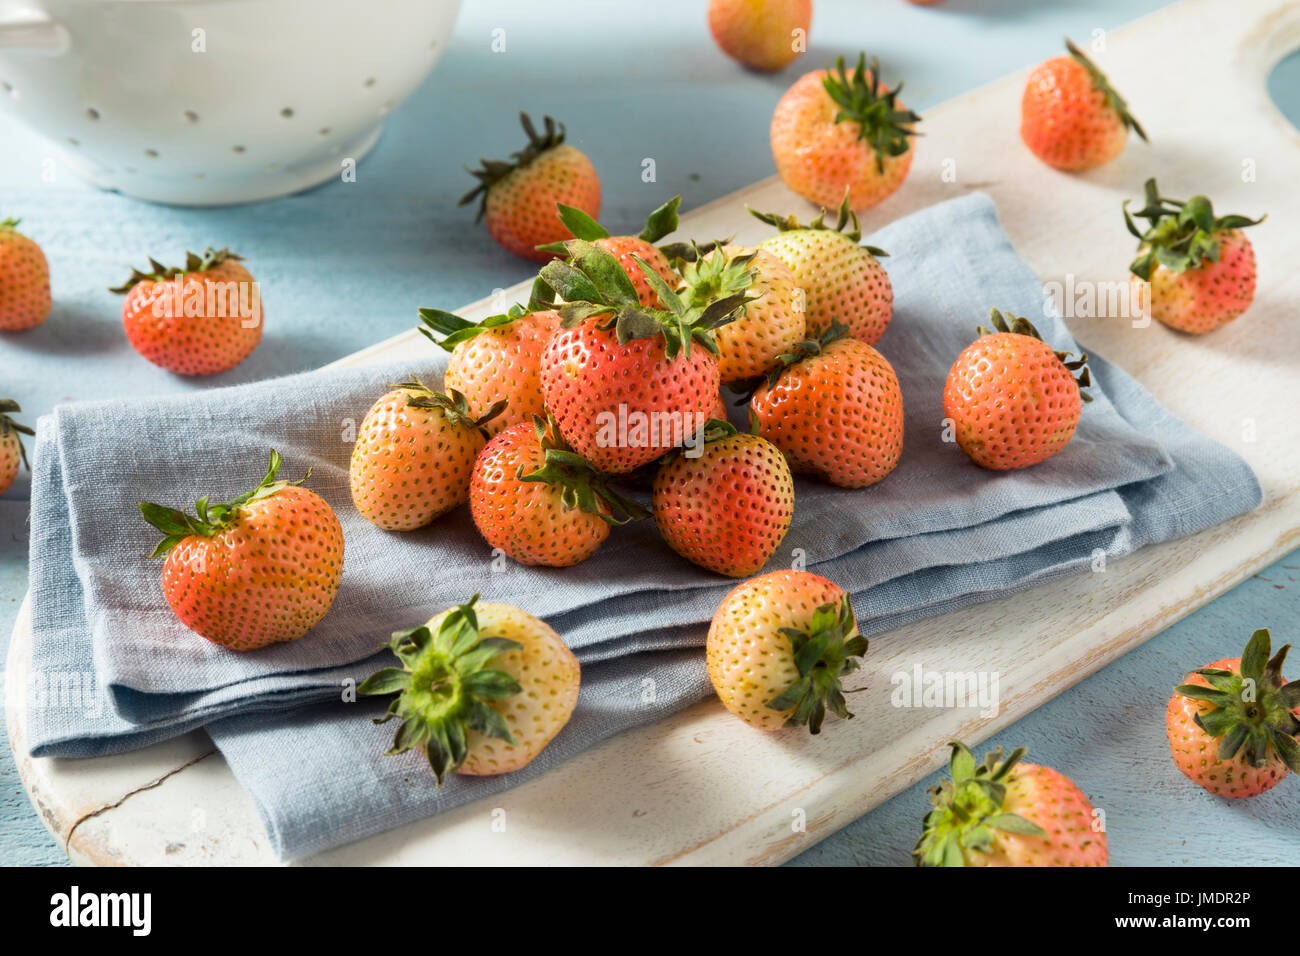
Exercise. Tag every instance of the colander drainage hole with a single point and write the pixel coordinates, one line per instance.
(92, 113)
(287, 112)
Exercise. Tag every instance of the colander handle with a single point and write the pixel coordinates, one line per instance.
(27, 28)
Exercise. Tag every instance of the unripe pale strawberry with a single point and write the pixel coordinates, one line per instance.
(836, 411)
(24, 280)
(841, 280)
(756, 650)
(728, 509)
(840, 136)
(762, 34)
(12, 453)
(1070, 116)
(537, 501)
(482, 689)
(1200, 268)
(1008, 813)
(257, 570)
(1233, 725)
(197, 320)
(414, 454)
(495, 360)
(1012, 399)
(766, 327)
(519, 195)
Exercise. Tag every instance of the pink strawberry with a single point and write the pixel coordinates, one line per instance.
(537, 501)
(627, 249)
(835, 410)
(24, 280)
(519, 195)
(1233, 726)
(12, 452)
(842, 280)
(199, 320)
(1008, 813)
(1200, 267)
(257, 570)
(728, 508)
(495, 360)
(482, 689)
(1013, 400)
(762, 34)
(840, 136)
(627, 383)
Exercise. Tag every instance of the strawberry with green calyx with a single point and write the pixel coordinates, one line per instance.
(1200, 267)
(728, 508)
(519, 195)
(481, 690)
(1008, 813)
(24, 280)
(259, 569)
(778, 646)
(626, 249)
(626, 382)
(199, 319)
(1234, 726)
(12, 452)
(842, 280)
(836, 134)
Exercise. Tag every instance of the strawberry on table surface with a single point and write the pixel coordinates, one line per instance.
(24, 280)
(413, 456)
(1071, 117)
(519, 195)
(1008, 813)
(835, 131)
(1233, 725)
(1012, 399)
(12, 452)
(761, 34)
(257, 570)
(482, 689)
(201, 319)
(1195, 270)
(778, 646)
(835, 409)
(537, 501)
(841, 279)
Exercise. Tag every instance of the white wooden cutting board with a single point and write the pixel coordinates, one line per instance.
(703, 788)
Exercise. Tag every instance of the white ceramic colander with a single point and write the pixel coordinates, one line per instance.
(205, 102)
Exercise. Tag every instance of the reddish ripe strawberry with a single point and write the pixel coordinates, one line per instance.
(778, 646)
(199, 320)
(257, 570)
(762, 34)
(496, 360)
(1013, 400)
(1233, 726)
(519, 195)
(834, 132)
(627, 383)
(1200, 268)
(1070, 116)
(538, 502)
(24, 280)
(836, 411)
(728, 508)
(481, 690)
(842, 280)
(767, 326)
(414, 454)
(12, 453)
(1008, 813)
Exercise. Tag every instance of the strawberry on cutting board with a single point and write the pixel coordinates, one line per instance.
(482, 689)
(1008, 813)
(12, 452)
(24, 280)
(259, 569)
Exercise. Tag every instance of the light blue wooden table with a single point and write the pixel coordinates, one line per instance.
(636, 80)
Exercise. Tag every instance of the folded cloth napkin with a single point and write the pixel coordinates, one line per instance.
(936, 534)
